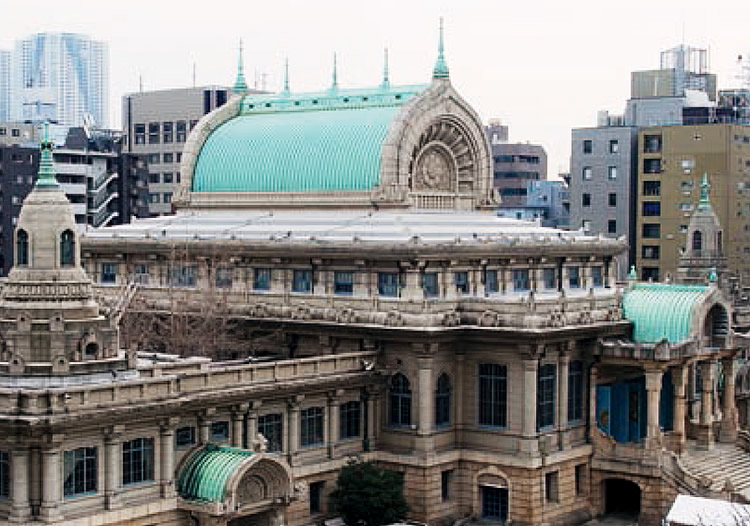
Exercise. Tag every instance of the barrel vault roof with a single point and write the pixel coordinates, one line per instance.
(205, 474)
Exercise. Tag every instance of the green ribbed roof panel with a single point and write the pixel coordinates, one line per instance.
(662, 311)
(315, 142)
(205, 474)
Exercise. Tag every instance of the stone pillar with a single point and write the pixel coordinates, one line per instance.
(530, 370)
(426, 400)
(112, 465)
(373, 422)
(332, 419)
(653, 390)
(563, 365)
(680, 381)
(294, 427)
(166, 457)
(204, 426)
(413, 286)
(458, 395)
(19, 490)
(705, 434)
(593, 381)
(251, 431)
(238, 417)
(728, 431)
(51, 483)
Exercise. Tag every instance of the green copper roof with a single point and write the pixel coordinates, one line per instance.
(662, 311)
(46, 175)
(205, 474)
(312, 142)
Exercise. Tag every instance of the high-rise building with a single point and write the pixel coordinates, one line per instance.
(4, 85)
(63, 77)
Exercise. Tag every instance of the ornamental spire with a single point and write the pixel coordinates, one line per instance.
(386, 80)
(285, 91)
(441, 68)
(705, 202)
(335, 84)
(240, 86)
(46, 176)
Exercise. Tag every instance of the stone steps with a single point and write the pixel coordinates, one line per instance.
(721, 463)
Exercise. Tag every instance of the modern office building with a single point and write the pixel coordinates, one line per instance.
(62, 77)
(4, 85)
(546, 203)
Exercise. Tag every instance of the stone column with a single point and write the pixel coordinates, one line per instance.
(238, 417)
(653, 390)
(294, 427)
(426, 400)
(705, 438)
(332, 420)
(51, 484)
(458, 394)
(680, 382)
(204, 426)
(19, 490)
(593, 381)
(728, 431)
(413, 286)
(563, 365)
(251, 431)
(373, 422)
(112, 465)
(530, 370)
(166, 457)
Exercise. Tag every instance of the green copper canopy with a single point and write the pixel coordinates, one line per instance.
(662, 311)
(310, 142)
(46, 176)
(205, 474)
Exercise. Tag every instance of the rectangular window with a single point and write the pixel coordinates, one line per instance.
(168, 132)
(182, 276)
(224, 277)
(4, 474)
(80, 471)
(302, 281)
(652, 188)
(168, 177)
(574, 277)
(3, 131)
(651, 166)
(491, 285)
(430, 284)
(652, 208)
(493, 390)
(167, 197)
(651, 230)
(580, 480)
(585, 200)
(181, 131)
(586, 173)
(109, 273)
(350, 418)
(650, 274)
(612, 199)
(140, 273)
(545, 396)
(597, 278)
(494, 503)
(343, 283)
(652, 143)
(140, 133)
(575, 391)
(445, 484)
(614, 146)
(388, 284)
(153, 158)
(153, 178)
(612, 173)
(650, 251)
(311, 426)
(262, 279)
(612, 226)
(178, 159)
(220, 431)
(551, 490)
(316, 490)
(461, 279)
(588, 146)
(153, 133)
(137, 461)
(271, 427)
(153, 198)
(549, 276)
(521, 280)
(184, 437)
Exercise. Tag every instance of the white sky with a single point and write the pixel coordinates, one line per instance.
(541, 66)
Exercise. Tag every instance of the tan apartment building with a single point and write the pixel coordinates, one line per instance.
(671, 162)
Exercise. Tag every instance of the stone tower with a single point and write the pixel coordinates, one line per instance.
(51, 327)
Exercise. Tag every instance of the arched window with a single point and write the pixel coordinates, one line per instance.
(719, 247)
(67, 249)
(443, 401)
(400, 400)
(22, 248)
(697, 241)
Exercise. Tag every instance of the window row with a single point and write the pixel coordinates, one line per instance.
(165, 198)
(587, 146)
(389, 284)
(587, 173)
(166, 178)
(492, 402)
(67, 248)
(166, 158)
(586, 200)
(162, 132)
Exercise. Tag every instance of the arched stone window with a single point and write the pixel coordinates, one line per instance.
(719, 242)
(697, 241)
(22, 248)
(400, 401)
(67, 249)
(443, 401)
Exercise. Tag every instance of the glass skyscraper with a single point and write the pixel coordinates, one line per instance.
(63, 77)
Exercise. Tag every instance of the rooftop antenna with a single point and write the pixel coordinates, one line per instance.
(140, 83)
(335, 84)
(441, 68)
(285, 91)
(386, 81)
(193, 73)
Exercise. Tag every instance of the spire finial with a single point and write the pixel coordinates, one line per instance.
(286, 77)
(240, 86)
(705, 186)
(441, 68)
(335, 84)
(46, 176)
(386, 80)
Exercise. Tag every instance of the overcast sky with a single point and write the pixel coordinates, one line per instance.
(542, 67)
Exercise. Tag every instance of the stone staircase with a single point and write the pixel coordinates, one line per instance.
(724, 469)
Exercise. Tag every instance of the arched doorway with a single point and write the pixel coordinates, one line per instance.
(716, 326)
(622, 498)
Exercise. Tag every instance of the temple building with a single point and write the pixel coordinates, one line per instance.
(335, 283)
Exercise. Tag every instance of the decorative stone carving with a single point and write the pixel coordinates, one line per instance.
(557, 318)
(452, 319)
(584, 318)
(490, 318)
(434, 170)
(443, 160)
(251, 489)
(346, 315)
(301, 490)
(394, 319)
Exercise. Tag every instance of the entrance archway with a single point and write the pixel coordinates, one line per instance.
(622, 498)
